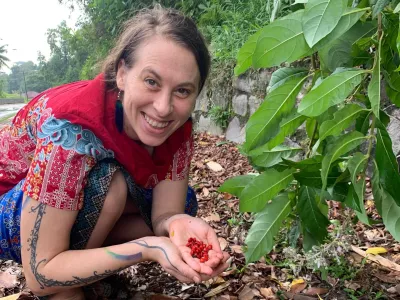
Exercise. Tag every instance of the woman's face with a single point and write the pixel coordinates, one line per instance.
(160, 90)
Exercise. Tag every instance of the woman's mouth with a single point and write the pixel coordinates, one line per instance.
(154, 123)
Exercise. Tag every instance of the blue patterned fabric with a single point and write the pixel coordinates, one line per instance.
(10, 218)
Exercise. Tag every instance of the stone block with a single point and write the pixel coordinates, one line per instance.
(254, 104)
(235, 132)
(239, 104)
(202, 101)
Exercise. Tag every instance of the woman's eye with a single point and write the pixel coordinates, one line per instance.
(151, 82)
(183, 92)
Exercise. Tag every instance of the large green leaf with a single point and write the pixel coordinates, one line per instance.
(320, 18)
(282, 75)
(379, 6)
(341, 146)
(362, 122)
(286, 128)
(332, 90)
(352, 199)
(312, 164)
(356, 167)
(348, 19)
(374, 87)
(265, 157)
(387, 164)
(267, 223)
(235, 185)
(387, 207)
(264, 123)
(313, 179)
(342, 119)
(245, 55)
(277, 38)
(337, 53)
(312, 219)
(263, 188)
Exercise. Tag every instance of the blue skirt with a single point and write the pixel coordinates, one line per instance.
(95, 192)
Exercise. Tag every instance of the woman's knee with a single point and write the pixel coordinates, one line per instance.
(114, 203)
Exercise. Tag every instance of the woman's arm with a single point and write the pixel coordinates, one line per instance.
(50, 267)
(169, 199)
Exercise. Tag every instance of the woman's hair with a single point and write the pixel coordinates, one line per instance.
(147, 23)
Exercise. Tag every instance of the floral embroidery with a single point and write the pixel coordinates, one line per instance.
(72, 137)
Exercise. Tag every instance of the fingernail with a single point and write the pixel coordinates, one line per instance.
(197, 279)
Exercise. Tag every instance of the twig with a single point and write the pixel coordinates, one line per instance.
(377, 259)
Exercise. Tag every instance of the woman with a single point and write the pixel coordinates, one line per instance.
(97, 171)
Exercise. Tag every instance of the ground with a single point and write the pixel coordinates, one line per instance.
(272, 276)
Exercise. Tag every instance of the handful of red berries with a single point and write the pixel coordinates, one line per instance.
(198, 249)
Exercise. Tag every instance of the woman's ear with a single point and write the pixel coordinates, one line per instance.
(121, 75)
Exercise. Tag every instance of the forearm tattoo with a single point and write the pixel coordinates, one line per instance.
(144, 244)
(134, 257)
(49, 282)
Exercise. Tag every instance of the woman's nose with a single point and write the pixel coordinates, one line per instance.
(163, 104)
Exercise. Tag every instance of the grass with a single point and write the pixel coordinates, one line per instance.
(10, 96)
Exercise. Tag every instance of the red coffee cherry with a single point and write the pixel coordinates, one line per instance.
(198, 249)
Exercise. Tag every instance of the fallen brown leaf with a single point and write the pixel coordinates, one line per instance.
(213, 218)
(217, 290)
(248, 293)
(297, 296)
(227, 196)
(222, 243)
(297, 288)
(267, 293)
(385, 278)
(206, 192)
(8, 280)
(226, 297)
(314, 291)
(237, 249)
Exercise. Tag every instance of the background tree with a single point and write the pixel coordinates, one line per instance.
(3, 58)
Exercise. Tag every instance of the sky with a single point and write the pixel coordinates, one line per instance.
(24, 23)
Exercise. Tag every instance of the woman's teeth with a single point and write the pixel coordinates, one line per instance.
(155, 123)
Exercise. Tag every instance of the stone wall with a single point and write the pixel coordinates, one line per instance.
(242, 95)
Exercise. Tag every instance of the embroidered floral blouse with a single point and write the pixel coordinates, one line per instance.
(56, 139)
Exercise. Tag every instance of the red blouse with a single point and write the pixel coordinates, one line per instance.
(57, 138)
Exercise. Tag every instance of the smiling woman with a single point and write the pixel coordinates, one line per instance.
(94, 174)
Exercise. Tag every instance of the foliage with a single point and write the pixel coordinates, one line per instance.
(3, 58)
(220, 116)
(354, 52)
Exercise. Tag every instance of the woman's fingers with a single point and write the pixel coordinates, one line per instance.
(213, 259)
(184, 270)
(192, 262)
(213, 240)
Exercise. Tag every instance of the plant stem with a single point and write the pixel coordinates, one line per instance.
(313, 62)
(312, 139)
(372, 129)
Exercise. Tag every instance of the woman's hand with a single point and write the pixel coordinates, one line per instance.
(183, 227)
(163, 251)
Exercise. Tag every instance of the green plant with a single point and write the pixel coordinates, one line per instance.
(220, 116)
(352, 48)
